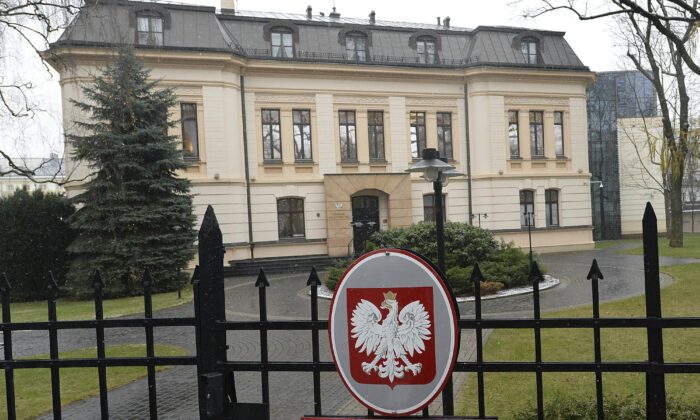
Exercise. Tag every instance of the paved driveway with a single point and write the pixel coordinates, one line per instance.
(291, 393)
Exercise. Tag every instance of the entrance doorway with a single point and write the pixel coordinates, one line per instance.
(365, 220)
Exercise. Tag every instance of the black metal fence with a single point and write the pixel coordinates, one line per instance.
(215, 373)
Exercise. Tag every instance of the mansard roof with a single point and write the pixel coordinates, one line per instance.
(316, 39)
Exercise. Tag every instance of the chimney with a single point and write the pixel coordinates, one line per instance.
(334, 14)
(438, 20)
(446, 22)
(371, 17)
(228, 5)
(308, 12)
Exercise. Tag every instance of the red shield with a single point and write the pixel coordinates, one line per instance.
(426, 357)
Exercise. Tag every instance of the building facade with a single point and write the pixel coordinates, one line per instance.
(622, 115)
(298, 128)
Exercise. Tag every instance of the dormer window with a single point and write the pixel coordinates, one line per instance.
(149, 30)
(425, 47)
(528, 46)
(356, 47)
(282, 43)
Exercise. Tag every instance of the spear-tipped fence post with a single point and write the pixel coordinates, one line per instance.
(51, 294)
(594, 275)
(655, 382)
(5, 289)
(314, 281)
(98, 286)
(147, 282)
(216, 388)
(477, 277)
(536, 277)
(262, 284)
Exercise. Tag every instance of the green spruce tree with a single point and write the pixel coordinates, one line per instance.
(135, 212)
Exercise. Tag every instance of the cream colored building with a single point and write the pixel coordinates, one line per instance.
(354, 101)
(640, 173)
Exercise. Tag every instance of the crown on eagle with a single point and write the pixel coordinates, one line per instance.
(389, 295)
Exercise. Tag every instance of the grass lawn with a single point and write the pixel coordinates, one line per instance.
(609, 244)
(691, 247)
(71, 310)
(33, 386)
(508, 393)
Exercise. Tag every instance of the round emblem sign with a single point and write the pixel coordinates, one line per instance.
(393, 331)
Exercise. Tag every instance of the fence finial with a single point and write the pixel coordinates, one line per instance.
(97, 281)
(262, 279)
(51, 285)
(195, 275)
(594, 272)
(313, 278)
(4, 284)
(476, 274)
(147, 280)
(649, 214)
(535, 274)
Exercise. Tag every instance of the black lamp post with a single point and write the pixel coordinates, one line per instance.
(438, 172)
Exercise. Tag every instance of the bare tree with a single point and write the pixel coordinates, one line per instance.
(26, 25)
(660, 36)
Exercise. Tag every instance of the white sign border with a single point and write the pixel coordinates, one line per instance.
(432, 273)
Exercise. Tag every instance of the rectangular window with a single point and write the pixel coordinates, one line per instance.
(527, 208)
(290, 218)
(417, 134)
(149, 30)
(536, 134)
(356, 47)
(282, 44)
(348, 137)
(551, 200)
(429, 207)
(375, 128)
(272, 143)
(190, 135)
(444, 133)
(513, 134)
(302, 134)
(426, 51)
(529, 50)
(559, 133)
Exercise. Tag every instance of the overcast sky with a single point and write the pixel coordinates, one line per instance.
(593, 41)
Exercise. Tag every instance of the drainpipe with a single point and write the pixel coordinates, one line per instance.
(469, 155)
(247, 171)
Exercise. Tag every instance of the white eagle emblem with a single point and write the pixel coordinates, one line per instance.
(398, 335)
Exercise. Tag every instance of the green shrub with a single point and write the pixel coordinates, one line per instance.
(460, 280)
(464, 244)
(335, 272)
(564, 407)
(35, 236)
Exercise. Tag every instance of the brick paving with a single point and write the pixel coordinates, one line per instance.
(292, 393)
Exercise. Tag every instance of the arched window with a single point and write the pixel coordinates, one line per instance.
(527, 208)
(426, 49)
(290, 218)
(551, 201)
(528, 46)
(282, 42)
(149, 28)
(356, 46)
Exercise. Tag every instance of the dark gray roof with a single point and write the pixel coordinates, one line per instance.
(317, 39)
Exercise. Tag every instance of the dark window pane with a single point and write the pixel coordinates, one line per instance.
(348, 139)
(290, 218)
(417, 134)
(190, 136)
(444, 131)
(375, 121)
(302, 134)
(536, 133)
(429, 207)
(272, 142)
(527, 208)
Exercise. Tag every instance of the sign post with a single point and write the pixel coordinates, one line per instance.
(393, 331)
